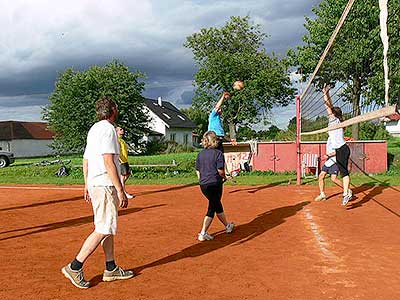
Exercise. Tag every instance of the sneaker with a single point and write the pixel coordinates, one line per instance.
(205, 237)
(117, 274)
(129, 196)
(347, 197)
(76, 277)
(229, 227)
(320, 197)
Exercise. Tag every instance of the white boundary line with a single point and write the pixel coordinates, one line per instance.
(40, 188)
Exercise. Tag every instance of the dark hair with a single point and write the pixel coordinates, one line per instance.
(104, 108)
(337, 112)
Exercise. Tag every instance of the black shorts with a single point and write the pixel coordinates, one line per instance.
(125, 169)
(332, 170)
(342, 159)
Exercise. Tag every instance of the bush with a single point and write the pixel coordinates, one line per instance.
(162, 146)
(155, 147)
(373, 131)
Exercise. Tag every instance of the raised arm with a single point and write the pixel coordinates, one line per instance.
(221, 100)
(327, 99)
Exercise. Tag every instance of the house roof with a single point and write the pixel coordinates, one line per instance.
(172, 116)
(16, 130)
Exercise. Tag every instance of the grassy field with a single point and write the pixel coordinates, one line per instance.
(23, 171)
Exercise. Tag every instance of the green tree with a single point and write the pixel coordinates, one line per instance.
(246, 133)
(232, 52)
(72, 104)
(199, 117)
(273, 132)
(356, 56)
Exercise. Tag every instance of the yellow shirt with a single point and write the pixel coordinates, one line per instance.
(123, 156)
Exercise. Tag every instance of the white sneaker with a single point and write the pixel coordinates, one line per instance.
(229, 227)
(347, 197)
(320, 197)
(205, 237)
(129, 196)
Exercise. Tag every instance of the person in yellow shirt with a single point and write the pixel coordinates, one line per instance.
(123, 160)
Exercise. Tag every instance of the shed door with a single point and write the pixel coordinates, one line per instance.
(357, 157)
(265, 159)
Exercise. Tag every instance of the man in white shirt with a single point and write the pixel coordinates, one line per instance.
(104, 190)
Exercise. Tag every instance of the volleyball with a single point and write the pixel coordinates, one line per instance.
(238, 85)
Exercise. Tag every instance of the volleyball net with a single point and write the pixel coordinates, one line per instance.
(360, 67)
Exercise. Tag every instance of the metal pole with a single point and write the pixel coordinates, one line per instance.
(298, 131)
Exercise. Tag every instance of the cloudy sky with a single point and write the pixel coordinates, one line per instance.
(40, 38)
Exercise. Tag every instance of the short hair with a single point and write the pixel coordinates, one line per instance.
(209, 140)
(104, 108)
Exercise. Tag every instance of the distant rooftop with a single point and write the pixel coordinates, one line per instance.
(17, 130)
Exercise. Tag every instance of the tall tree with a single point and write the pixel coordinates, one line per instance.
(356, 56)
(235, 51)
(72, 109)
(199, 117)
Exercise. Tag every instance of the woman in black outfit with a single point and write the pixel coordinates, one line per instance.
(210, 169)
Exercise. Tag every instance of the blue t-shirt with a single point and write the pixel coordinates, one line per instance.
(215, 123)
(207, 163)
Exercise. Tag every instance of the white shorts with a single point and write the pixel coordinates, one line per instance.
(105, 208)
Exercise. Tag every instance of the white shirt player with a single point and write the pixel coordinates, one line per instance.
(102, 139)
(336, 135)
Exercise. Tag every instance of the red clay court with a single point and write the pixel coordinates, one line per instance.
(285, 246)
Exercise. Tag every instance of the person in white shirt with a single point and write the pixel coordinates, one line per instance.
(339, 144)
(330, 167)
(103, 189)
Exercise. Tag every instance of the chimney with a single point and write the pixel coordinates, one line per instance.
(159, 100)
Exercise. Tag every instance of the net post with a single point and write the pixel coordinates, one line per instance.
(298, 131)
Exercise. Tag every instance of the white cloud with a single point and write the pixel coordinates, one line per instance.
(23, 113)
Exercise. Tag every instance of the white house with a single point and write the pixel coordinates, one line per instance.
(393, 124)
(168, 122)
(26, 139)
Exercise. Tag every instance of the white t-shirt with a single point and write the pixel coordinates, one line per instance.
(102, 139)
(329, 149)
(336, 135)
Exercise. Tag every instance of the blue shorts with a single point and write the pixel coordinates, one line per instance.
(332, 170)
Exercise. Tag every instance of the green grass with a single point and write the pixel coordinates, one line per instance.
(24, 172)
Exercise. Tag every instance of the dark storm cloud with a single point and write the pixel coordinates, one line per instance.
(145, 35)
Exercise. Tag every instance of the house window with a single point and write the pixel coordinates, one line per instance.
(182, 118)
(172, 137)
(186, 139)
(166, 116)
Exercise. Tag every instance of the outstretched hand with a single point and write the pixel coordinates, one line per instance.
(326, 88)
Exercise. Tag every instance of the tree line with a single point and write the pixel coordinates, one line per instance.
(236, 51)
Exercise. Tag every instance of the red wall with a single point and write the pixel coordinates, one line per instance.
(367, 156)
(275, 156)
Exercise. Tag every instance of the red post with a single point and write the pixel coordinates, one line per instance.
(298, 130)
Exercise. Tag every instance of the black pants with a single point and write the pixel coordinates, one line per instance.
(213, 193)
(342, 159)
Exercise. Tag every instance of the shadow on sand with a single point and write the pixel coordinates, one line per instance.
(69, 223)
(243, 233)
